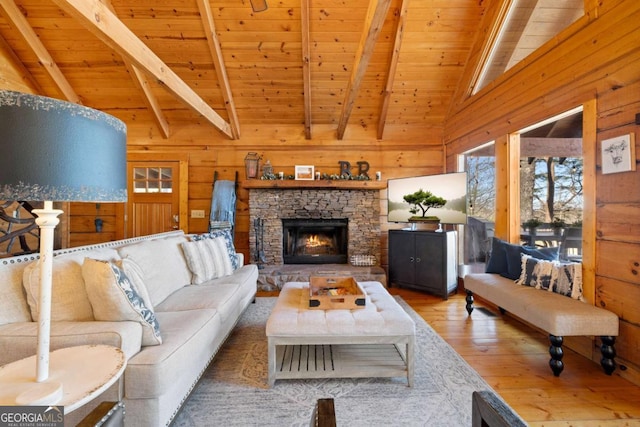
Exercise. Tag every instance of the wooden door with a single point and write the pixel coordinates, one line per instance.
(154, 197)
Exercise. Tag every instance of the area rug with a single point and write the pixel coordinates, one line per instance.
(234, 392)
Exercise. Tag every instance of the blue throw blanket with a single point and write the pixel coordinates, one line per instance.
(223, 202)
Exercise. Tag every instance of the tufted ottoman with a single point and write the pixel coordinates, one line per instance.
(374, 341)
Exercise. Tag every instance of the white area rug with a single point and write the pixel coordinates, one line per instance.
(233, 391)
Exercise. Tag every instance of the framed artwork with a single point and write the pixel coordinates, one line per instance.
(304, 172)
(619, 154)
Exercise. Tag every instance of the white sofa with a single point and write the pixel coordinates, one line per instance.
(193, 319)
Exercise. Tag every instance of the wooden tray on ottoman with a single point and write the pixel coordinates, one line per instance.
(326, 293)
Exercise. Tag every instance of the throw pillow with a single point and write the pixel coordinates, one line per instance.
(498, 259)
(553, 276)
(567, 280)
(199, 256)
(514, 261)
(208, 259)
(134, 272)
(115, 298)
(505, 257)
(228, 239)
(536, 272)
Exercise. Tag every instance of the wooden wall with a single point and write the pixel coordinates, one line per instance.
(596, 61)
(403, 152)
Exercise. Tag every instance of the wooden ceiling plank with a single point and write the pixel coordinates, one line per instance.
(141, 82)
(26, 76)
(393, 64)
(218, 62)
(14, 14)
(373, 25)
(306, 68)
(101, 22)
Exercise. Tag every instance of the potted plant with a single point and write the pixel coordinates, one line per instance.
(531, 225)
(558, 224)
(421, 201)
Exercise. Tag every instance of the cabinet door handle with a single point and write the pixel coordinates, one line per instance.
(410, 259)
(417, 259)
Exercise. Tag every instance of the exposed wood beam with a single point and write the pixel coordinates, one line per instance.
(14, 14)
(551, 147)
(306, 68)
(487, 36)
(218, 61)
(99, 20)
(372, 26)
(12, 58)
(141, 82)
(393, 64)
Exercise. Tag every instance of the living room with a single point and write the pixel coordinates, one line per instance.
(591, 64)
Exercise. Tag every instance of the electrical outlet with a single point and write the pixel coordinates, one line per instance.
(197, 213)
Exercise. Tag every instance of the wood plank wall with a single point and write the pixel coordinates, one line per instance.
(597, 59)
(403, 152)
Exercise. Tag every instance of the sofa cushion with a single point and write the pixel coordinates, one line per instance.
(228, 240)
(190, 339)
(69, 300)
(114, 297)
(162, 263)
(207, 259)
(14, 304)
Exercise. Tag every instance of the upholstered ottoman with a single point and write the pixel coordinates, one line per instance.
(374, 341)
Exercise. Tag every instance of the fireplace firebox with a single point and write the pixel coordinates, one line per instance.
(315, 241)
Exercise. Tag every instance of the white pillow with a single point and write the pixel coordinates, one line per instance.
(207, 259)
(115, 298)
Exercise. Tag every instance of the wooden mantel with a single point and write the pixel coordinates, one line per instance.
(314, 184)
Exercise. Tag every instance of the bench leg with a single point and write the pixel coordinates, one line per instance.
(555, 350)
(469, 300)
(608, 352)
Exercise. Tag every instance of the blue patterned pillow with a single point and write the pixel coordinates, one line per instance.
(553, 276)
(114, 297)
(535, 272)
(228, 238)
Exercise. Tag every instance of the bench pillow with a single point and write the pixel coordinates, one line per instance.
(553, 276)
(505, 257)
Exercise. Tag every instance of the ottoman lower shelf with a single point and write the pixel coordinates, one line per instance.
(339, 361)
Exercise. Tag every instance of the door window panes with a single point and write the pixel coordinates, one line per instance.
(152, 180)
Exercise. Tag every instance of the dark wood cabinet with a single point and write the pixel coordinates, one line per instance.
(423, 260)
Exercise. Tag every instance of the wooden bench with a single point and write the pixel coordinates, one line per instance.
(556, 314)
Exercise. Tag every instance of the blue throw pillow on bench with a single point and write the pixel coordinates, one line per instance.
(505, 257)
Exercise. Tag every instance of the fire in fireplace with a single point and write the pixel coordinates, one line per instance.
(314, 241)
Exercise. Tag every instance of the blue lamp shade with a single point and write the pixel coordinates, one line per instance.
(60, 151)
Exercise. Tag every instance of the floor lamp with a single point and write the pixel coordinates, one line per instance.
(51, 150)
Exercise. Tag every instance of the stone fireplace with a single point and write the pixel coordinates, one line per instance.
(358, 208)
(315, 241)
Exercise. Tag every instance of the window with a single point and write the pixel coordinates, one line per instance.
(152, 180)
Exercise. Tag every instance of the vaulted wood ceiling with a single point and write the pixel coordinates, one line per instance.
(367, 62)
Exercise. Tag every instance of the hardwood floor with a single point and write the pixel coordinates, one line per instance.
(513, 358)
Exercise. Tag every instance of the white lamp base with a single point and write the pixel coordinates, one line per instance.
(45, 393)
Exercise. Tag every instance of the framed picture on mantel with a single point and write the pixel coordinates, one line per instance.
(304, 172)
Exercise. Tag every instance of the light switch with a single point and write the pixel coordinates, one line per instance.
(197, 213)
